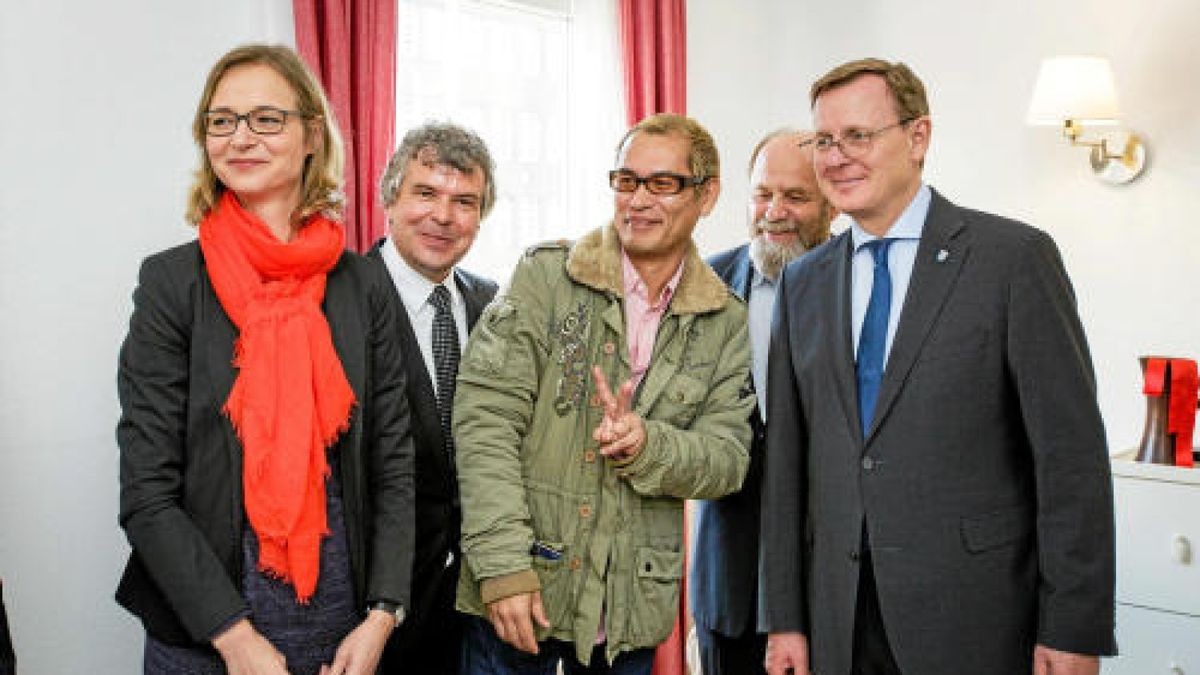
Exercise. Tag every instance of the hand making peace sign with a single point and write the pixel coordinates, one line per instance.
(621, 434)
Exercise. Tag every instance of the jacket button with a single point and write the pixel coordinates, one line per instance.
(585, 511)
(868, 463)
(609, 348)
(575, 563)
(677, 397)
(854, 556)
(589, 456)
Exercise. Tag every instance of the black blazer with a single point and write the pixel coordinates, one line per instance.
(438, 516)
(723, 584)
(983, 482)
(181, 462)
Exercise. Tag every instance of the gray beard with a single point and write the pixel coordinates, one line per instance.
(769, 257)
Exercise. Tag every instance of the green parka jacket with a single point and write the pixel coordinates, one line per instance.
(542, 508)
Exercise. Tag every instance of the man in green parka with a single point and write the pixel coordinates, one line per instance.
(572, 491)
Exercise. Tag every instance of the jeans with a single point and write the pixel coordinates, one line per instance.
(486, 654)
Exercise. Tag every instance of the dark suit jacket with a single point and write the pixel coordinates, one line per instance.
(723, 584)
(983, 480)
(181, 462)
(438, 514)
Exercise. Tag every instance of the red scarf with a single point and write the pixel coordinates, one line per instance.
(291, 398)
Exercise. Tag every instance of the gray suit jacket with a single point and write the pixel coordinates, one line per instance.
(983, 482)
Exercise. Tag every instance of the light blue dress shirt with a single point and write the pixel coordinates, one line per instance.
(761, 306)
(901, 256)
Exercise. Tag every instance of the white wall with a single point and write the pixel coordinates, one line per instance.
(95, 158)
(1132, 251)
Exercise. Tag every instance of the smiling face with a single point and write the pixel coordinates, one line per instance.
(435, 215)
(788, 214)
(263, 170)
(659, 227)
(873, 188)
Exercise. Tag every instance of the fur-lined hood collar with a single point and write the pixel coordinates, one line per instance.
(595, 260)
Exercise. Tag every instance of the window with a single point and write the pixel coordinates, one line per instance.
(539, 80)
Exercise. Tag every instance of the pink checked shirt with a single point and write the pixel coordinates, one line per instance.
(643, 316)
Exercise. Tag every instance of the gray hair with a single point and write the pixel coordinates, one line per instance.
(442, 143)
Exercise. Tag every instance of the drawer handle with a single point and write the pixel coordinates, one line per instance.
(1181, 550)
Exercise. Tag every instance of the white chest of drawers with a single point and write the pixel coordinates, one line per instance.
(1158, 570)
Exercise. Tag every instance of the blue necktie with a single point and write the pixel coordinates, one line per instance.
(872, 339)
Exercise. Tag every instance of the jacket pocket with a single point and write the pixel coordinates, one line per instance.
(555, 577)
(999, 528)
(681, 400)
(656, 592)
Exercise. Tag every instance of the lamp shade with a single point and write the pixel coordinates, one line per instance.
(1077, 88)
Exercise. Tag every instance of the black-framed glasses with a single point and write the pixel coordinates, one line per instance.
(658, 183)
(263, 120)
(852, 143)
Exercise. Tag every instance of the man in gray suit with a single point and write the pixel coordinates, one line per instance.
(787, 217)
(937, 497)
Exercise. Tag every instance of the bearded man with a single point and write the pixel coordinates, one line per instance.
(788, 216)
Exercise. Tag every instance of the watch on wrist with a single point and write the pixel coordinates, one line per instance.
(395, 609)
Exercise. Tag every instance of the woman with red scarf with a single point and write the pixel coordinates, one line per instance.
(266, 462)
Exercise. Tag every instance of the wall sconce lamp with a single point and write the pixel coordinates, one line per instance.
(1074, 91)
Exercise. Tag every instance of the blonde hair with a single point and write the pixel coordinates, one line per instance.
(703, 160)
(321, 182)
(907, 90)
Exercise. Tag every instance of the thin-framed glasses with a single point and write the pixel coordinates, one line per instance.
(264, 120)
(853, 143)
(658, 183)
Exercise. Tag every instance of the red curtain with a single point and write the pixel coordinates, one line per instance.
(654, 55)
(351, 45)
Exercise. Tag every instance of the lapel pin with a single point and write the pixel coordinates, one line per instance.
(942, 255)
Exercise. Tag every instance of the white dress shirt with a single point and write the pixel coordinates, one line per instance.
(414, 290)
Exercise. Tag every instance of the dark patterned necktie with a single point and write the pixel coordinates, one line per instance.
(445, 357)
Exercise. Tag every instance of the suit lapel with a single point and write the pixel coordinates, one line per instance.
(473, 297)
(835, 273)
(741, 278)
(940, 257)
(219, 335)
(341, 306)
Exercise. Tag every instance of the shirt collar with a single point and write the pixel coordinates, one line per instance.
(633, 284)
(757, 280)
(908, 226)
(413, 287)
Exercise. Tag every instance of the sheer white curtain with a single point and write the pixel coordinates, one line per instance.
(539, 80)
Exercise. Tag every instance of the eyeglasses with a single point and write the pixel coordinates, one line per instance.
(853, 143)
(659, 183)
(265, 121)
